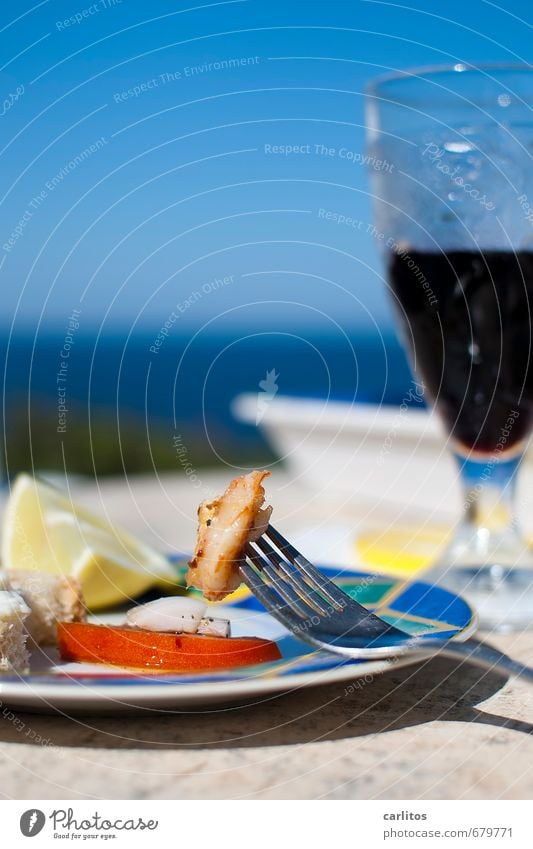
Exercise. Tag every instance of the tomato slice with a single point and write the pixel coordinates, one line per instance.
(153, 650)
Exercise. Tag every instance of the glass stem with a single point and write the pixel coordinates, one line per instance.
(488, 532)
(489, 493)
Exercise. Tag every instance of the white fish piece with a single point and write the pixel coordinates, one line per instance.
(172, 614)
(14, 656)
(214, 627)
(12, 604)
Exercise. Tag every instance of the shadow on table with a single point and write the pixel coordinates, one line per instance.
(435, 690)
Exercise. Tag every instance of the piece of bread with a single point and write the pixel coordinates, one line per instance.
(51, 599)
(14, 611)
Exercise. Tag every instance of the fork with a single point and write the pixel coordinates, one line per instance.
(318, 612)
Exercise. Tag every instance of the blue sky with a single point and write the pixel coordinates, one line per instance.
(170, 158)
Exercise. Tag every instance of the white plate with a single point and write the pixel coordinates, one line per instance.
(416, 607)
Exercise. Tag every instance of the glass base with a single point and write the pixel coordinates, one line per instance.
(502, 596)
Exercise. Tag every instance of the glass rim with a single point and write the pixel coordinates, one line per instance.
(378, 84)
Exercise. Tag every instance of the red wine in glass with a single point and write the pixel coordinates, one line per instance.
(466, 318)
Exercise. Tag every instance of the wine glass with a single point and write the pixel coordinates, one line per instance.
(452, 179)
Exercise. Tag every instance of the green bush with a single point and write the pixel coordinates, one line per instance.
(103, 445)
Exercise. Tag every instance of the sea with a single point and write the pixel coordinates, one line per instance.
(186, 384)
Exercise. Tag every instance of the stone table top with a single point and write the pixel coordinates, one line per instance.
(432, 731)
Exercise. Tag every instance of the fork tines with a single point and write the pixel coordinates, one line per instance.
(296, 581)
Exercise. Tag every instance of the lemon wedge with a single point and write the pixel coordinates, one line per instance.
(44, 531)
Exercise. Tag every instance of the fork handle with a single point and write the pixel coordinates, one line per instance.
(481, 654)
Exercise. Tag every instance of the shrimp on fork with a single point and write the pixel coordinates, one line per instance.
(225, 526)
